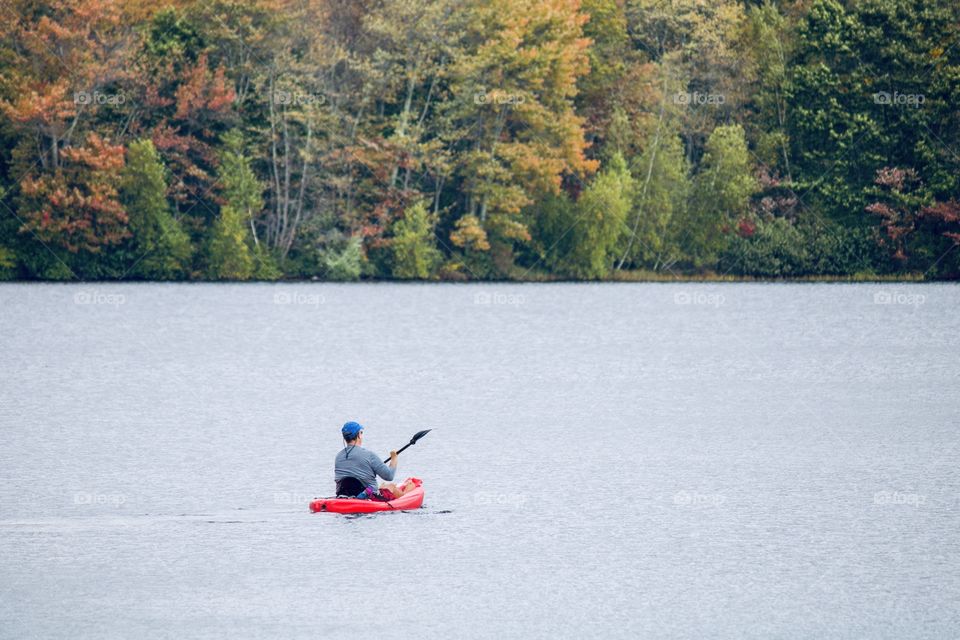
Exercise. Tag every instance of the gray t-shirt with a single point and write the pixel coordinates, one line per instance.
(362, 464)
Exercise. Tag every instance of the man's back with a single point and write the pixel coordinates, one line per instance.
(356, 462)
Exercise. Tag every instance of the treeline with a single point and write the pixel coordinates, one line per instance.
(473, 139)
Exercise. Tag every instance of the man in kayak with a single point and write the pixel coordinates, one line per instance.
(356, 469)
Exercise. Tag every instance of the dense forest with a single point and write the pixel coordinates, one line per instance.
(478, 139)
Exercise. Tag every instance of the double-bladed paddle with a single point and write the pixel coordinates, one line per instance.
(413, 441)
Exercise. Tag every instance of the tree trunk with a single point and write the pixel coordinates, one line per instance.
(273, 226)
(646, 181)
(402, 127)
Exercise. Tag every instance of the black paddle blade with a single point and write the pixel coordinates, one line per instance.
(413, 440)
(419, 435)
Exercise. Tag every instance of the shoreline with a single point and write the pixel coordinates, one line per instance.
(625, 278)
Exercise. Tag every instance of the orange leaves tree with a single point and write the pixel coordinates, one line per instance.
(64, 54)
(63, 66)
(511, 119)
(75, 209)
(185, 104)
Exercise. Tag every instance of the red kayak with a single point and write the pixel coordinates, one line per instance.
(410, 500)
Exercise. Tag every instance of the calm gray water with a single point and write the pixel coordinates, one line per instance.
(660, 460)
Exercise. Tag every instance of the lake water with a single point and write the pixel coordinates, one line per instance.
(649, 460)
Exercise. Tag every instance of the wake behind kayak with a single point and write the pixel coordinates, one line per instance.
(410, 500)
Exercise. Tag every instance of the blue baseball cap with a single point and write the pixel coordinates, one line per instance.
(351, 430)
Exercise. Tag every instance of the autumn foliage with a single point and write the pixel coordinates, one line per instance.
(477, 138)
(76, 207)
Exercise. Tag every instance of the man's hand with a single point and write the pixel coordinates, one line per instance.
(393, 460)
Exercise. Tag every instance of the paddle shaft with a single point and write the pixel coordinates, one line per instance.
(400, 450)
(412, 442)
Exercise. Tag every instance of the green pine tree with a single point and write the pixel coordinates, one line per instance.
(415, 253)
(235, 252)
(345, 264)
(659, 203)
(228, 255)
(601, 214)
(579, 239)
(160, 247)
(721, 193)
(241, 189)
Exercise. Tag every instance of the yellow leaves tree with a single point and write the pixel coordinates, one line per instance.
(512, 116)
